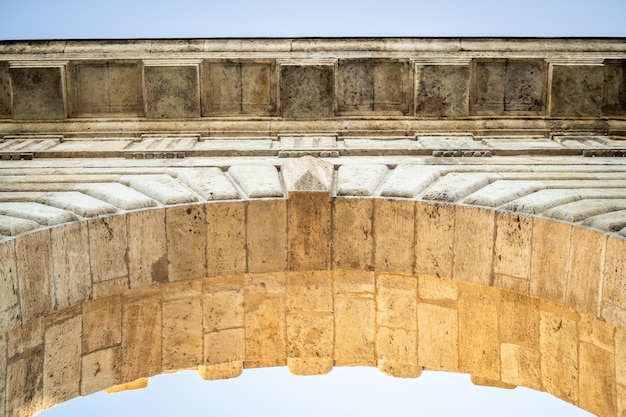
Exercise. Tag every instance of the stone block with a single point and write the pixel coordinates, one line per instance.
(3, 374)
(33, 254)
(373, 85)
(614, 86)
(519, 320)
(620, 356)
(239, 86)
(354, 282)
(597, 390)
(5, 90)
(141, 335)
(24, 386)
(359, 179)
(9, 300)
(441, 90)
(257, 181)
(226, 238)
(438, 344)
(549, 259)
(352, 237)
(186, 242)
(310, 335)
(26, 338)
(585, 264)
(38, 93)
(558, 341)
(161, 187)
(355, 323)
(397, 352)
(138, 383)
(107, 247)
(434, 239)
(147, 248)
(309, 291)
(111, 287)
(223, 303)
(106, 87)
(265, 343)
(309, 221)
(102, 323)
(307, 91)
(172, 91)
(596, 332)
(310, 366)
(266, 235)
(508, 85)
(62, 361)
(224, 347)
(473, 244)
(512, 245)
(210, 183)
(614, 285)
(520, 366)
(394, 235)
(100, 370)
(221, 371)
(396, 301)
(479, 348)
(71, 272)
(182, 333)
(576, 90)
(431, 288)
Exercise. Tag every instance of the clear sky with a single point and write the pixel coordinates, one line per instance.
(345, 391)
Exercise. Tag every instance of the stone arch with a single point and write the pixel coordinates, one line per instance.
(313, 282)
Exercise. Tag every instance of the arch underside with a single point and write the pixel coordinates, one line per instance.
(405, 204)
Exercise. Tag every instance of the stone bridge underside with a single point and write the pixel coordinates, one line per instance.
(407, 204)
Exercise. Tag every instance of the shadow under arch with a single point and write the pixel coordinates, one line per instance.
(313, 282)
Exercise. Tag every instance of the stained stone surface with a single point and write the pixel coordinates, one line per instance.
(405, 204)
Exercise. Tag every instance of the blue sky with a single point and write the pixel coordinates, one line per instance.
(345, 391)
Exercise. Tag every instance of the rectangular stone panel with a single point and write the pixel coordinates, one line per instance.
(397, 352)
(106, 87)
(147, 247)
(100, 370)
(141, 335)
(549, 259)
(307, 91)
(438, 345)
(70, 264)
(107, 247)
(266, 235)
(508, 85)
(558, 341)
(373, 85)
(38, 92)
(310, 335)
(265, 329)
(34, 275)
(513, 245)
(434, 239)
(396, 301)
(614, 86)
(186, 242)
(9, 301)
(441, 90)
(520, 366)
(576, 90)
(394, 231)
(224, 346)
(309, 231)
(309, 291)
(226, 238)
(353, 241)
(519, 319)
(223, 303)
(62, 361)
(102, 320)
(597, 380)
(24, 386)
(473, 244)
(182, 333)
(355, 328)
(5, 90)
(172, 91)
(238, 86)
(585, 264)
(479, 347)
(614, 286)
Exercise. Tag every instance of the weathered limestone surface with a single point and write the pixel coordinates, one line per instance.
(452, 204)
